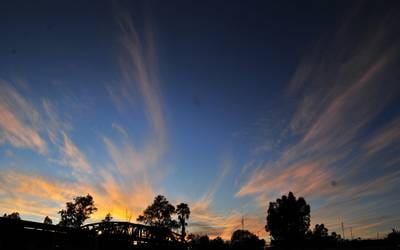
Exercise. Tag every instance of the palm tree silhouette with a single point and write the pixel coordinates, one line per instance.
(183, 212)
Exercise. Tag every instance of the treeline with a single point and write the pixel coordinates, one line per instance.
(287, 222)
(240, 239)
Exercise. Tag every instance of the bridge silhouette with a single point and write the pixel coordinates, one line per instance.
(21, 234)
(137, 233)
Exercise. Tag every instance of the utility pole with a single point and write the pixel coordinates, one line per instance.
(343, 230)
(242, 223)
(351, 233)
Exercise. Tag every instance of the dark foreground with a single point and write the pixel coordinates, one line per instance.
(19, 234)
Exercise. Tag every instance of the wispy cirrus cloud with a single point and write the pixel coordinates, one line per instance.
(387, 136)
(37, 196)
(33, 195)
(19, 123)
(206, 220)
(36, 127)
(72, 156)
(134, 171)
(128, 179)
(328, 157)
(223, 225)
(139, 74)
(126, 182)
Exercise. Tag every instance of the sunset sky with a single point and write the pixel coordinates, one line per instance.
(224, 105)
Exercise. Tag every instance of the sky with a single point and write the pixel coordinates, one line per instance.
(224, 105)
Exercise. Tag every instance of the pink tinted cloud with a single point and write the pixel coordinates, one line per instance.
(385, 137)
(341, 96)
(19, 123)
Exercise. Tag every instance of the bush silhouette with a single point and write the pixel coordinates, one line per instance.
(47, 220)
(244, 239)
(107, 218)
(13, 215)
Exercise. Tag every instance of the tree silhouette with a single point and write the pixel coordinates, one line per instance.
(13, 215)
(218, 244)
(320, 231)
(244, 239)
(47, 220)
(107, 218)
(335, 236)
(192, 237)
(204, 240)
(394, 237)
(319, 237)
(159, 214)
(183, 212)
(77, 211)
(288, 219)
(199, 242)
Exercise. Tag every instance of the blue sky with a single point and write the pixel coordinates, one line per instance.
(223, 105)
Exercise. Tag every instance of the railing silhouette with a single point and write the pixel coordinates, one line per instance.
(137, 233)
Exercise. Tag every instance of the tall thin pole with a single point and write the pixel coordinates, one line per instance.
(351, 232)
(343, 230)
(242, 223)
